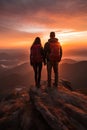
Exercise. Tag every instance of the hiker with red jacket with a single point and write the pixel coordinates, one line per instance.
(36, 59)
(53, 55)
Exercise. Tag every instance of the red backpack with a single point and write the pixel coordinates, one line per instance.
(54, 55)
(36, 56)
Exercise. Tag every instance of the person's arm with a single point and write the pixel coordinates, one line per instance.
(46, 51)
(42, 53)
(60, 53)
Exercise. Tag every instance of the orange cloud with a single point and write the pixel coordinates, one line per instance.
(22, 21)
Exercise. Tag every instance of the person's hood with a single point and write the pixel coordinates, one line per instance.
(53, 40)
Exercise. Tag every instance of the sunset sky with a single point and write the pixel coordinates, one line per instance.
(22, 20)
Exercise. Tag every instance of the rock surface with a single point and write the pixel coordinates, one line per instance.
(61, 108)
(43, 109)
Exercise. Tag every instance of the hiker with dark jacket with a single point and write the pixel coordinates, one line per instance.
(36, 59)
(53, 55)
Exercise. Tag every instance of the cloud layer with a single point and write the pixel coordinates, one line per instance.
(13, 7)
(42, 12)
(25, 17)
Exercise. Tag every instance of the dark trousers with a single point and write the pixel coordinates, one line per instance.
(37, 73)
(53, 65)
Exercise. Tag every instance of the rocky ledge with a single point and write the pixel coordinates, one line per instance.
(61, 108)
(43, 109)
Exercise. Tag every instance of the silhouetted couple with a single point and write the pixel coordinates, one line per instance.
(50, 55)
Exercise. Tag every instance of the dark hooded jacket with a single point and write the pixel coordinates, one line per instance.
(47, 49)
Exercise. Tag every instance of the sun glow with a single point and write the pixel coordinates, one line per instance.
(72, 37)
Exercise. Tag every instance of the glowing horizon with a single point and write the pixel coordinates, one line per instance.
(21, 22)
(65, 37)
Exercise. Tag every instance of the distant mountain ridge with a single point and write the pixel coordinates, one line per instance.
(76, 73)
(68, 61)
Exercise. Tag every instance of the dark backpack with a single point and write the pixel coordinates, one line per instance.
(54, 55)
(36, 56)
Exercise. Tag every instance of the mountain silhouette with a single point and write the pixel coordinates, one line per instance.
(22, 75)
(17, 76)
(76, 73)
(68, 61)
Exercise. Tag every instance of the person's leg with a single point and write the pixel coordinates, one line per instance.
(35, 73)
(55, 68)
(49, 71)
(39, 73)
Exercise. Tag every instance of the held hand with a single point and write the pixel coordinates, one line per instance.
(45, 63)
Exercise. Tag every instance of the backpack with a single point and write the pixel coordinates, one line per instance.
(36, 56)
(54, 55)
